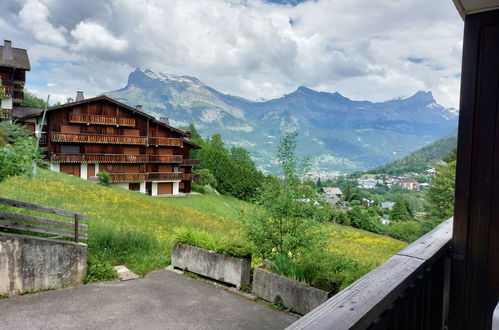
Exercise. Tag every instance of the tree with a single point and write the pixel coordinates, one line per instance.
(440, 195)
(30, 100)
(285, 222)
(401, 211)
(18, 151)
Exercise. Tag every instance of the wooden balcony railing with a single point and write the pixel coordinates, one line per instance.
(128, 177)
(5, 113)
(164, 176)
(162, 141)
(100, 120)
(97, 138)
(190, 176)
(7, 90)
(190, 162)
(114, 158)
(150, 176)
(408, 291)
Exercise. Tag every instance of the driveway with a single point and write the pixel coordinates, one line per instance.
(161, 300)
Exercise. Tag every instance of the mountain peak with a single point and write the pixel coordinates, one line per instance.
(423, 96)
(139, 74)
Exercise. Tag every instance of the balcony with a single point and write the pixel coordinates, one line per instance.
(409, 290)
(151, 176)
(5, 113)
(190, 162)
(114, 158)
(128, 177)
(164, 176)
(7, 90)
(163, 141)
(190, 176)
(101, 120)
(98, 138)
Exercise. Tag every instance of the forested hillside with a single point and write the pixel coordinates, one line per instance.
(420, 160)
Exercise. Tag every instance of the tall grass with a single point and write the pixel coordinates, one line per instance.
(231, 246)
(326, 271)
(130, 228)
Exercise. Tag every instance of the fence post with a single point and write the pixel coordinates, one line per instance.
(76, 228)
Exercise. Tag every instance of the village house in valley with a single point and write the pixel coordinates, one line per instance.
(140, 153)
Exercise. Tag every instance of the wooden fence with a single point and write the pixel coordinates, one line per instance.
(24, 222)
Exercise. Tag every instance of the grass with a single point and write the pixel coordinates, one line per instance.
(126, 227)
(231, 246)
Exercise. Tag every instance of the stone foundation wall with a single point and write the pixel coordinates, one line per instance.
(32, 263)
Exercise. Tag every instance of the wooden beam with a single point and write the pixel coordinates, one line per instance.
(42, 230)
(40, 220)
(41, 208)
(475, 267)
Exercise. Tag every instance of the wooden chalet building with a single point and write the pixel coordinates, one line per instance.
(14, 63)
(139, 152)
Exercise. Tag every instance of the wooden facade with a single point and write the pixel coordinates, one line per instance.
(14, 63)
(101, 134)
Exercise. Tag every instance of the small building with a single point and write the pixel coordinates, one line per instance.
(431, 172)
(409, 184)
(368, 202)
(333, 191)
(387, 205)
(14, 62)
(140, 153)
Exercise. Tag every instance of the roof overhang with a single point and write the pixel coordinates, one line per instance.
(466, 7)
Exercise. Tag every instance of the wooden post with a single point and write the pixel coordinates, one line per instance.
(76, 228)
(475, 259)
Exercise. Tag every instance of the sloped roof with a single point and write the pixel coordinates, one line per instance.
(20, 59)
(104, 97)
(333, 191)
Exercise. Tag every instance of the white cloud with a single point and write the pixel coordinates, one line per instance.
(255, 49)
(33, 17)
(91, 36)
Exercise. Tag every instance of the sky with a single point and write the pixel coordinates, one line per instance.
(257, 49)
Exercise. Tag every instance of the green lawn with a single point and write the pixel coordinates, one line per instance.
(138, 230)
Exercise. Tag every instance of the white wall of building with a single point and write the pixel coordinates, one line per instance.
(143, 187)
(154, 190)
(175, 188)
(7, 103)
(83, 171)
(55, 167)
(96, 168)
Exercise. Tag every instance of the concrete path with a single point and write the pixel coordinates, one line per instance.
(161, 300)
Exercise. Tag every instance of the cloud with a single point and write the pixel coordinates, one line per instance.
(33, 17)
(92, 37)
(255, 49)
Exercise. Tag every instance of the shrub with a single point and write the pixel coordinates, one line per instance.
(228, 245)
(18, 151)
(324, 270)
(104, 178)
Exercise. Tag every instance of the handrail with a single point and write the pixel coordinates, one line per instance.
(372, 300)
(164, 141)
(190, 176)
(191, 162)
(83, 118)
(6, 113)
(151, 176)
(115, 158)
(98, 138)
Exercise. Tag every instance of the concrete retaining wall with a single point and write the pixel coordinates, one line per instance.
(32, 263)
(272, 287)
(211, 264)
